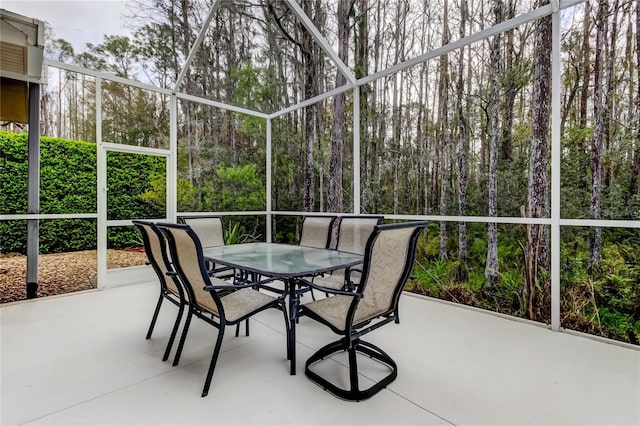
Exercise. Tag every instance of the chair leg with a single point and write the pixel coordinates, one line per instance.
(174, 331)
(246, 329)
(155, 316)
(313, 295)
(183, 337)
(286, 326)
(353, 369)
(214, 360)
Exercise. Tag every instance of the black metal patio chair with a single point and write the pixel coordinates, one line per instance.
(205, 301)
(170, 287)
(389, 256)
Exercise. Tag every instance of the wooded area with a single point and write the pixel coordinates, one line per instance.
(465, 134)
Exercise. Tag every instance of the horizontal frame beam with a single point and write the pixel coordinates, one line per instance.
(473, 38)
(221, 105)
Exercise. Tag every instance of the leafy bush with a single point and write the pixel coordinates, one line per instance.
(242, 188)
(68, 185)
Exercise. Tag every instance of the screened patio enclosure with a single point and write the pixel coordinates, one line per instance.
(256, 118)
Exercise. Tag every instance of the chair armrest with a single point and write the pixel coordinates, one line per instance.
(331, 290)
(210, 287)
(228, 270)
(222, 269)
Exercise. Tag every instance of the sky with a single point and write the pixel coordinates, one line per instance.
(79, 22)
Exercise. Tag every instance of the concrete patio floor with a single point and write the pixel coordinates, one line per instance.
(83, 359)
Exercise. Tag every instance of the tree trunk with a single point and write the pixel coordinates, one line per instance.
(586, 65)
(635, 166)
(510, 89)
(462, 272)
(599, 107)
(536, 249)
(309, 112)
(610, 54)
(361, 38)
(491, 268)
(443, 119)
(337, 131)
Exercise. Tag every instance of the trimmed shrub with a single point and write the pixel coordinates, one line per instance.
(68, 184)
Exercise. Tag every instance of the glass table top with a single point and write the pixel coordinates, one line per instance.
(281, 260)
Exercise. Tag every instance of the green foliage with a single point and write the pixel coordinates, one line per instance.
(243, 229)
(242, 189)
(605, 300)
(618, 324)
(123, 236)
(13, 173)
(287, 229)
(429, 244)
(131, 178)
(235, 235)
(156, 194)
(252, 89)
(68, 185)
(439, 271)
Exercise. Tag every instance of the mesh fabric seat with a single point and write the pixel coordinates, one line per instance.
(353, 233)
(170, 288)
(388, 261)
(205, 301)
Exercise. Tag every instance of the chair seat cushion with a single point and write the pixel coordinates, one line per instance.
(334, 310)
(243, 302)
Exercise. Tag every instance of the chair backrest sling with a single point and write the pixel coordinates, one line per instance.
(188, 260)
(316, 231)
(388, 261)
(354, 231)
(209, 229)
(155, 247)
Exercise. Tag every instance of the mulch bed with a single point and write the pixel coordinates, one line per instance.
(60, 273)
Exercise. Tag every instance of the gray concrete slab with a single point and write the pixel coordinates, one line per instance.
(83, 359)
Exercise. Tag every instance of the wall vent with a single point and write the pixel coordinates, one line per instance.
(13, 58)
(21, 47)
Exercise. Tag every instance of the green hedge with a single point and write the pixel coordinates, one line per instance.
(68, 185)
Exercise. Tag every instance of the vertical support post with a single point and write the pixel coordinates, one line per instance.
(556, 150)
(33, 201)
(172, 166)
(268, 183)
(356, 150)
(101, 167)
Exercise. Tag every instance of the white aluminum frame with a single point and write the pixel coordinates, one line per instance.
(554, 221)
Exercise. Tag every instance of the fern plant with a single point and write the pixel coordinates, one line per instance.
(235, 235)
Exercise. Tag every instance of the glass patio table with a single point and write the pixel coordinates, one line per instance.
(284, 262)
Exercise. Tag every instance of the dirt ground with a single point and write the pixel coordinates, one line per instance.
(59, 273)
